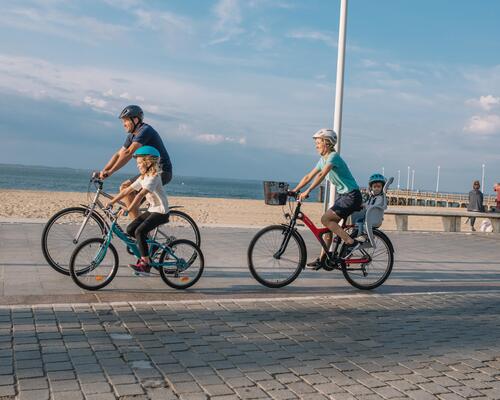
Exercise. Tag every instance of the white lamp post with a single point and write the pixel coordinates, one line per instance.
(412, 179)
(408, 179)
(339, 88)
(437, 181)
(399, 178)
(482, 178)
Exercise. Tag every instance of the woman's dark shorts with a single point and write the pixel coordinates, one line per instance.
(166, 177)
(347, 203)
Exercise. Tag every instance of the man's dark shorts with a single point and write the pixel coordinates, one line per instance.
(348, 203)
(166, 177)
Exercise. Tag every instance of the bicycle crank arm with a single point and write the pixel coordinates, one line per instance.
(357, 261)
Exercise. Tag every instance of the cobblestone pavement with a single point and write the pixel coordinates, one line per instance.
(422, 346)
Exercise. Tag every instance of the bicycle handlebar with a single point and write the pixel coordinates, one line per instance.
(109, 209)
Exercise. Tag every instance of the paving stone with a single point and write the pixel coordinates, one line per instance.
(250, 393)
(109, 396)
(7, 390)
(420, 395)
(96, 387)
(282, 394)
(128, 390)
(464, 391)
(33, 383)
(42, 394)
(387, 392)
(71, 395)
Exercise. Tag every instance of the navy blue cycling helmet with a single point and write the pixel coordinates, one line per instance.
(132, 111)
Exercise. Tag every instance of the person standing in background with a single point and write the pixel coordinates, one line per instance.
(496, 188)
(475, 202)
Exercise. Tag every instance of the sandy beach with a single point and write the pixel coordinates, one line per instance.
(22, 204)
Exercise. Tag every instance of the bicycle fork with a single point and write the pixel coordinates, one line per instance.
(284, 244)
(84, 223)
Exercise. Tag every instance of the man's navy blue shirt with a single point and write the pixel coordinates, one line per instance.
(147, 136)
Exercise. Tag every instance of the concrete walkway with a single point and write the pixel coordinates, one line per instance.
(424, 262)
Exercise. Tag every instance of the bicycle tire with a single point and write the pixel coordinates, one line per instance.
(300, 263)
(348, 273)
(197, 255)
(190, 221)
(57, 263)
(77, 275)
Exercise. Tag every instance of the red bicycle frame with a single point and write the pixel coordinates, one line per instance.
(320, 232)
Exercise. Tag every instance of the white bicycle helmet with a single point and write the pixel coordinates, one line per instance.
(328, 134)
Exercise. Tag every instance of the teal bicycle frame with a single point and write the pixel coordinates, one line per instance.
(175, 265)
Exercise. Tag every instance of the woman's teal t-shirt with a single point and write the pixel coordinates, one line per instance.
(340, 175)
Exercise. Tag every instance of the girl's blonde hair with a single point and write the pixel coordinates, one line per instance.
(330, 145)
(151, 164)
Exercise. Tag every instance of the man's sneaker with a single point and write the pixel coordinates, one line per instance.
(316, 264)
(141, 268)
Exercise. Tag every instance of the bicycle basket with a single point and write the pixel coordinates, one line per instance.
(275, 193)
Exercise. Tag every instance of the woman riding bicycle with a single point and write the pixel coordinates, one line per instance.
(148, 186)
(349, 200)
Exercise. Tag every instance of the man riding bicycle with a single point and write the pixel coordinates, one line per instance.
(139, 134)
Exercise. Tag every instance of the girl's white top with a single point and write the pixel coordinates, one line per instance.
(156, 197)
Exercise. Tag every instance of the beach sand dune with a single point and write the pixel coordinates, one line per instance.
(21, 204)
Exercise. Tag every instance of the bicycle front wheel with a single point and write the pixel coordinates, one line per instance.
(269, 268)
(179, 226)
(59, 236)
(370, 275)
(183, 265)
(93, 266)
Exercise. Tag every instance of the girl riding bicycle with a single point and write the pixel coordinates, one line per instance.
(349, 200)
(150, 187)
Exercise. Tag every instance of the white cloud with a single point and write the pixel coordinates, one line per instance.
(327, 38)
(228, 20)
(164, 21)
(485, 102)
(217, 139)
(70, 26)
(271, 4)
(483, 125)
(367, 63)
(99, 103)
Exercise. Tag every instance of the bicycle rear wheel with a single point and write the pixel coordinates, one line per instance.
(187, 264)
(59, 235)
(371, 275)
(265, 266)
(92, 266)
(179, 226)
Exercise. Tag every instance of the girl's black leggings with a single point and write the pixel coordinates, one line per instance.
(142, 225)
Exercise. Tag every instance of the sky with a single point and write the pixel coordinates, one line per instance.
(237, 88)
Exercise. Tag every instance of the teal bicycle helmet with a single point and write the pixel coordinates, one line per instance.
(377, 178)
(147, 151)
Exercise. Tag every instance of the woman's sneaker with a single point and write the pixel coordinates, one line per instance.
(141, 268)
(316, 264)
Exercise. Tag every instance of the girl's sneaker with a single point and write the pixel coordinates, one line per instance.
(141, 268)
